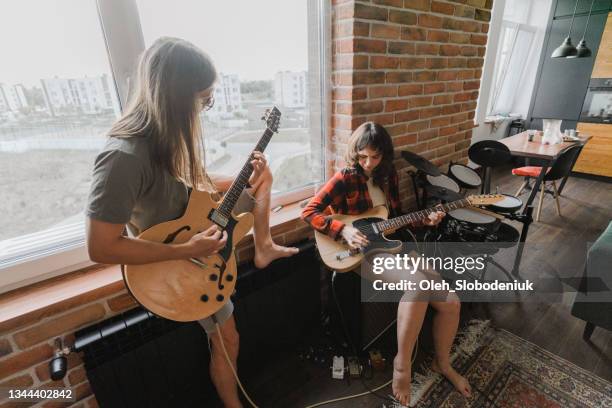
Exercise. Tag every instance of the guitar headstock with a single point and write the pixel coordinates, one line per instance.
(272, 119)
(485, 199)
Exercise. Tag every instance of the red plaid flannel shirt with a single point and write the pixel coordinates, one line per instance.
(346, 193)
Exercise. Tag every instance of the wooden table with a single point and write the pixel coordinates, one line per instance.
(520, 146)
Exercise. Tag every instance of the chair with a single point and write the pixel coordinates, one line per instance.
(488, 154)
(560, 168)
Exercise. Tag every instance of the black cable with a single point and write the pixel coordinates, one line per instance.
(350, 342)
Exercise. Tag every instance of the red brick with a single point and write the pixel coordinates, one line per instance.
(448, 109)
(450, 50)
(367, 45)
(437, 36)
(5, 347)
(410, 89)
(469, 51)
(475, 62)
(455, 138)
(379, 61)
(484, 28)
(344, 11)
(471, 85)
(452, 24)
(427, 49)
(464, 96)
(401, 47)
(445, 131)
(342, 29)
(406, 116)
(59, 325)
(348, 94)
(454, 86)
(440, 141)
(430, 21)
(470, 26)
(392, 3)
(447, 75)
(424, 76)
(429, 112)
(343, 61)
(77, 376)
(459, 38)
(466, 125)
(342, 108)
(444, 8)
(465, 74)
(417, 126)
(19, 362)
(396, 105)
(344, 46)
(414, 33)
(396, 129)
(436, 63)
(364, 108)
(405, 140)
(482, 15)
(368, 77)
(464, 11)
(412, 63)
(419, 101)
(478, 39)
(459, 118)
(435, 87)
(402, 17)
(393, 77)
(369, 12)
(417, 4)
(382, 118)
(457, 62)
(428, 135)
(22, 381)
(385, 31)
(440, 121)
(382, 91)
(442, 99)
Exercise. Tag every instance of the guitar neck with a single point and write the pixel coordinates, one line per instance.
(231, 197)
(418, 216)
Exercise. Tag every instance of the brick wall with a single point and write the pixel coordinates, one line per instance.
(413, 66)
(26, 342)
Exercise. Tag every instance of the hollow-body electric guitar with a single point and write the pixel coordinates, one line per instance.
(337, 255)
(195, 288)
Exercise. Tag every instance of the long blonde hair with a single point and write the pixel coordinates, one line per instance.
(163, 108)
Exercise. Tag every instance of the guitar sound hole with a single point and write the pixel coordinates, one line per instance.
(213, 277)
(220, 298)
(204, 298)
(229, 278)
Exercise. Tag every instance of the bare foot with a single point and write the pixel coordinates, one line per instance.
(267, 253)
(402, 378)
(460, 382)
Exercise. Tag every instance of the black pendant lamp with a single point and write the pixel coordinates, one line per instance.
(567, 49)
(582, 51)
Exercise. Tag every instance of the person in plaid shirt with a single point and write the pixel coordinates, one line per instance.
(369, 180)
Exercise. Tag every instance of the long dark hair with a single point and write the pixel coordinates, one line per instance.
(163, 107)
(375, 136)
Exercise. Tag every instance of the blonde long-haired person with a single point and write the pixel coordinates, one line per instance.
(153, 157)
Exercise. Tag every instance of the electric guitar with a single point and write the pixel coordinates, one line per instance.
(338, 256)
(195, 288)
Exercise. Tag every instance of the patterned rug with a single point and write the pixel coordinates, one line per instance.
(506, 371)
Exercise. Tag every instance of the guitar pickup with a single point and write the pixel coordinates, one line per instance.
(347, 254)
(218, 218)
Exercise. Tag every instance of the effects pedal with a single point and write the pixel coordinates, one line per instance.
(354, 367)
(338, 368)
(378, 362)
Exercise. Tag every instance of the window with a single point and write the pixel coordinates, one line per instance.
(59, 96)
(54, 75)
(266, 39)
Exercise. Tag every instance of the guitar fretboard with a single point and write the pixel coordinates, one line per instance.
(412, 218)
(231, 197)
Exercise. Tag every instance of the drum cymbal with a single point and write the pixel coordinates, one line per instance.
(421, 163)
(489, 153)
(442, 193)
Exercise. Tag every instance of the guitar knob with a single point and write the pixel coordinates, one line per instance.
(213, 277)
(220, 298)
(204, 298)
(229, 278)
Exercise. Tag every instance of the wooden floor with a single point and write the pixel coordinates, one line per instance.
(586, 206)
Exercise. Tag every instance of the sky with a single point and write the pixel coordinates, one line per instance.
(254, 39)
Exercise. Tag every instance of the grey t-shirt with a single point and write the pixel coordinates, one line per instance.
(126, 189)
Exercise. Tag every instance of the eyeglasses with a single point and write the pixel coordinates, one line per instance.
(208, 103)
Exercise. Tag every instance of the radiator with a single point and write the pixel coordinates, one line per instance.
(139, 360)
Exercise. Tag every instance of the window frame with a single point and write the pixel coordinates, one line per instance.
(50, 253)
